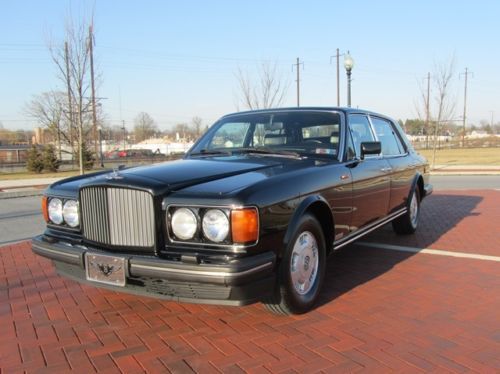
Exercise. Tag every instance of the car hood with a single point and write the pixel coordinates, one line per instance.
(183, 173)
(167, 176)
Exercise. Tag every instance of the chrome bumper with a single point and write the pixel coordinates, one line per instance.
(235, 273)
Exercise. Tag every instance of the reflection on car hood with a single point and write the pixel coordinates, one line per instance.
(181, 173)
(221, 174)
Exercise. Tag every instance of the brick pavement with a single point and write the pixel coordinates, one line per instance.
(461, 221)
(380, 311)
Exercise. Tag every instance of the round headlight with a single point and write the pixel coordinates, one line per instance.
(184, 224)
(215, 225)
(56, 211)
(70, 213)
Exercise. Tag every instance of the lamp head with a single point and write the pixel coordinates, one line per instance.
(348, 62)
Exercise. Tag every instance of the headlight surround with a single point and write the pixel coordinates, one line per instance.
(70, 213)
(215, 225)
(184, 224)
(56, 211)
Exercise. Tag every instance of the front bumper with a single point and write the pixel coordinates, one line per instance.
(241, 281)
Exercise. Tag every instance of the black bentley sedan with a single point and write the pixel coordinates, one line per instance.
(250, 214)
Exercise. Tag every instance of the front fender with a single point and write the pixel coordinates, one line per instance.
(317, 205)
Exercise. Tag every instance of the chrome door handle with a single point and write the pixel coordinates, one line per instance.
(385, 170)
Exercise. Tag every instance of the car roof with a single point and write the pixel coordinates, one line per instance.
(346, 110)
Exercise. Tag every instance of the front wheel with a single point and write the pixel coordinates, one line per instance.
(408, 222)
(301, 270)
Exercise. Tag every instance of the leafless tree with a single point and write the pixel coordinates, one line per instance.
(267, 91)
(47, 109)
(197, 124)
(444, 99)
(72, 61)
(144, 127)
(442, 107)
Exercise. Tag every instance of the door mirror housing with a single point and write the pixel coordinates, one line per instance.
(370, 148)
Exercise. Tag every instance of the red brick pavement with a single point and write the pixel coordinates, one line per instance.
(379, 311)
(461, 221)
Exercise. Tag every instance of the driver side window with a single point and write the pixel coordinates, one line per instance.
(360, 130)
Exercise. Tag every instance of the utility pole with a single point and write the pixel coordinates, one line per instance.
(337, 56)
(427, 113)
(466, 74)
(124, 133)
(70, 104)
(92, 84)
(297, 66)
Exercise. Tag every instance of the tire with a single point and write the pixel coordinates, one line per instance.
(407, 223)
(301, 270)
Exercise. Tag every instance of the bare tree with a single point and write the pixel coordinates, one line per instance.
(72, 60)
(268, 91)
(47, 109)
(197, 124)
(144, 127)
(444, 99)
(441, 110)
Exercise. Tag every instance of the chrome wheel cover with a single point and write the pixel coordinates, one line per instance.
(414, 210)
(304, 263)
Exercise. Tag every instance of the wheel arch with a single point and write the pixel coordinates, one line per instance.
(418, 182)
(317, 206)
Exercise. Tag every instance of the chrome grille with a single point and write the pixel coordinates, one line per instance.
(117, 216)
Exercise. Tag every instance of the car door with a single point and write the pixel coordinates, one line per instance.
(370, 178)
(393, 150)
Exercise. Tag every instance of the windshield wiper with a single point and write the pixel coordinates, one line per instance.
(210, 152)
(267, 151)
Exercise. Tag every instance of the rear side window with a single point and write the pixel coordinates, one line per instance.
(391, 145)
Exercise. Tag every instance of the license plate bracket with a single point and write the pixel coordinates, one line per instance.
(105, 269)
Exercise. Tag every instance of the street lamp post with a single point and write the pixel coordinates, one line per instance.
(99, 128)
(348, 64)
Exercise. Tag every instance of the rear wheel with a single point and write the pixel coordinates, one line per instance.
(301, 270)
(408, 222)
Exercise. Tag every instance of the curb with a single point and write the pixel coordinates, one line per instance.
(25, 193)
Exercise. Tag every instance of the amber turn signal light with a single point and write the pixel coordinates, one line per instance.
(45, 208)
(244, 225)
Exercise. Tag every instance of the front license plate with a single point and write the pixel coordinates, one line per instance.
(105, 269)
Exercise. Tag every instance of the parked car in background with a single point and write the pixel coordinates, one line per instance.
(132, 153)
(250, 214)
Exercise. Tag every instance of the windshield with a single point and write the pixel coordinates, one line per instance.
(282, 133)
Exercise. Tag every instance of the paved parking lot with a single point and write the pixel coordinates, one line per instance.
(381, 310)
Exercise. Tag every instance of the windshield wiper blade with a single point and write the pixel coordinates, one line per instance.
(209, 152)
(266, 151)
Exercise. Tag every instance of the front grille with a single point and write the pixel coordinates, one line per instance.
(117, 216)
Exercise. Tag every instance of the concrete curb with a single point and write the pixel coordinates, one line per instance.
(24, 193)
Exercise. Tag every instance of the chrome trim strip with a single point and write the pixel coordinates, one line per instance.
(59, 253)
(205, 273)
(375, 225)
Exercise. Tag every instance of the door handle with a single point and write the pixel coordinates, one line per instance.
(385, 170)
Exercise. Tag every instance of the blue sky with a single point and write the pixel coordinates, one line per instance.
(178, 59)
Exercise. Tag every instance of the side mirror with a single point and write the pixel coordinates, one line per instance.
(370, 148)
